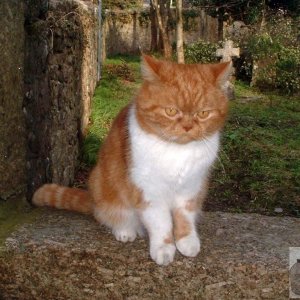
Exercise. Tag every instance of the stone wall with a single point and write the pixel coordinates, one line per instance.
(12, 123)
(48, 72)
(60, 77)
(125, 31)
(90, 58)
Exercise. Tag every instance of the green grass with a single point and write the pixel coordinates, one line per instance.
(112, 95)
(259, 167)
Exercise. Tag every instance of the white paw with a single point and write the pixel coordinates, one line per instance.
(124, 235)
(164, 254)
(189, 245)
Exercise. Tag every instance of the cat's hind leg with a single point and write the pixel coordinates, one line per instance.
(128, 229)
(124, 222)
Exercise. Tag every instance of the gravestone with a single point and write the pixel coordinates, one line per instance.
(228, 51)
(226, 54)
(237, 30)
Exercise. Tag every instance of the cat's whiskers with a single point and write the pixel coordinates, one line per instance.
(206, 142)
(220, 150)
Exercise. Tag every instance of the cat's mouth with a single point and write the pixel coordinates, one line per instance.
(185, 138)
(180, 139)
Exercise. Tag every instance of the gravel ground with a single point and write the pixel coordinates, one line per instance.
(63, 255)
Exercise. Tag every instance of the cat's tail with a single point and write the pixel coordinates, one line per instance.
(63, 198)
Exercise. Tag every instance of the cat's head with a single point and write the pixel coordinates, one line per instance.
(182, 103)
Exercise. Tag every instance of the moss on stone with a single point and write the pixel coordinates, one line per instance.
(14, 213)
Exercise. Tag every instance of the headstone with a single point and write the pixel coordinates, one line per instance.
(226, 54)
(237, 30)
(228, 51)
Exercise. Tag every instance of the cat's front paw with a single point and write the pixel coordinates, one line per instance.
(189, 245)
(164, 254)
(124, 235)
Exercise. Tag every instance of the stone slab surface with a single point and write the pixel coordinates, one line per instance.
(65, 255)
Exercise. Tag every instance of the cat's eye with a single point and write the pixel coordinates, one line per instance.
(203, 114)
(171, 111)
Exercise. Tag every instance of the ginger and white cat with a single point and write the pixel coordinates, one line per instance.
(153, 168)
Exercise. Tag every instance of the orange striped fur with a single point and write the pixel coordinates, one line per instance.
(63, 198)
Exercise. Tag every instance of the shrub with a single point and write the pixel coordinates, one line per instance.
(287, 69)
(122, 71)
(276, 52)
(262, 45)
(278, 65)
(201, 52)
(121, 4)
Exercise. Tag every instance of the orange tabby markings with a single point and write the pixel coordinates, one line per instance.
(110, 215)
(169, 239)
(191, 88)
(141, 205)
(196, 204)
(182, 225)
(47, 196)
(191, 205)
(62, 197)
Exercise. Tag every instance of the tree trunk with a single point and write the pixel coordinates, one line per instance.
(220, 27)
(162, 24)
(154, 31)
(263, 18)
(179, 32)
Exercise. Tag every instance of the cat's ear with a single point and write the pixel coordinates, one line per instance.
(221, 72)
(150, 68)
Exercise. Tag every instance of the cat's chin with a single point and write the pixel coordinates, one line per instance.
(184, 139)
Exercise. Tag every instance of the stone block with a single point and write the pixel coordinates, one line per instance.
(12, 123)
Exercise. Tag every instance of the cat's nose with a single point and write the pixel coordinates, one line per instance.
(187, 127)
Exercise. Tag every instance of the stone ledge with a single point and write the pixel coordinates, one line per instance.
(66, 255)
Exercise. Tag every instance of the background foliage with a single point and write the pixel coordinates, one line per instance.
(121, 4)
(201, 51)
(249, 11)
(276, 51)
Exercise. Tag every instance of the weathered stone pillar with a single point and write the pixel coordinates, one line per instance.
(48, 72)
(12, 123)
(60, 77)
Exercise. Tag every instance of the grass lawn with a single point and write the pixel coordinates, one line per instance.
(259, 165)
(114, 92)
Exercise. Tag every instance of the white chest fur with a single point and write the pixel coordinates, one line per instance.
(167, 171)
